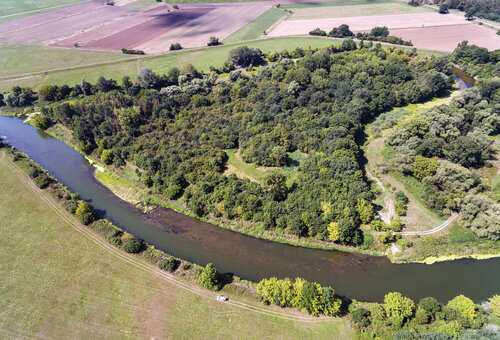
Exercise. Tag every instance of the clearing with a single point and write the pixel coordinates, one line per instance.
(256, 27)
(236, 165)
(61, 280)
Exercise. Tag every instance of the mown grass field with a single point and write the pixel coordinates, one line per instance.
(354, 11)
(57, 283)
(256, 27)
(19, 59)
(202, 59)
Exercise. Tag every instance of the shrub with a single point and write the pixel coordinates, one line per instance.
(133, 245)
(40, 121)
(443, 9)
(430, 305)
(175, 47)
(379, 225)
(244, 56)
(464, 306)
(317, 31)
(107, 156)
(361, 318)
(452, 328)
(42, 181)
(85, 212)
(400, 196)
(213, 41)
(169, 264)
(421, 316)
(126, 51)
(209, 278)
(495, 305)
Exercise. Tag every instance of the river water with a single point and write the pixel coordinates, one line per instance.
(357, 276)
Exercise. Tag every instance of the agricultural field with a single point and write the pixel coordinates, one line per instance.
(83, 290)
(423, 26)
(302, 13)
(256, 27)
(202, 59)
(14, 9)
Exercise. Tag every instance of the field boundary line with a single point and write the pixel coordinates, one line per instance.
(149, 268)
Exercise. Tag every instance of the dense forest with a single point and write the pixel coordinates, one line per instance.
(486, 9)
(176, 129)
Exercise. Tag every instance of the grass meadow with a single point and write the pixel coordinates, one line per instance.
(19, 60)
(57, 283)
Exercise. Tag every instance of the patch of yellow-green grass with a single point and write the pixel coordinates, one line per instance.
(257, 26)
(354, 11)
(57, 283)
(236, 165)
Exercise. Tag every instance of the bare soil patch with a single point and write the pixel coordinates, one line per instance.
(365, 23)
(446, 38)
(64, 25)
(218, 21)
(159, 24)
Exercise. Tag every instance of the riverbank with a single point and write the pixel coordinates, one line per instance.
(121, 183)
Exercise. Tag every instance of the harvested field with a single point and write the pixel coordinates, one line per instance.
(355, 11)
(219, 22)
(365, 23)
(136, 30)
(70, 22)
(446, 38)
(49, 16)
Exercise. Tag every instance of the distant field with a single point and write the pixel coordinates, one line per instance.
(201, 59)
(56, 283)
(19, 59)
(336, 3)
(354, 11)
(15, 8)
(256, 27)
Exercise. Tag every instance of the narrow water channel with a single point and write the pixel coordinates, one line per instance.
(356, 276)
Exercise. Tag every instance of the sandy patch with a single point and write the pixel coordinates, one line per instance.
(364, 23)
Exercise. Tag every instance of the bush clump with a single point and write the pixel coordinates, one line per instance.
(170, 264)
(133, 245)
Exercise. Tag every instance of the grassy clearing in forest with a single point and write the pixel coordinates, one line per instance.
(256, 27)
(57, 283)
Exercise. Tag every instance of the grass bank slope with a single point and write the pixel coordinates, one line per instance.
(256, 27)
(55, 282)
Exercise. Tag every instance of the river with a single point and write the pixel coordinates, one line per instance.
(362, 277)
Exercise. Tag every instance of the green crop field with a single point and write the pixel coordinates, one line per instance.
(256, 27)
(202, 59)
(58, 283)
(15, 9)
(354, 11)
